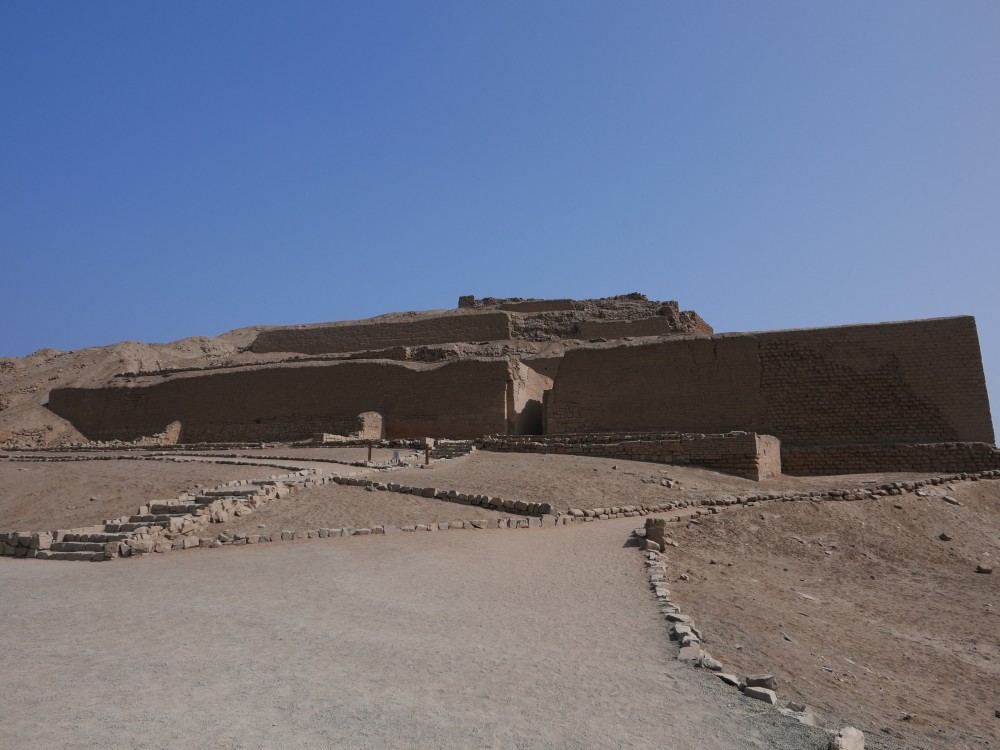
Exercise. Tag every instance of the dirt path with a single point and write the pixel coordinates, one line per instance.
(505, 639)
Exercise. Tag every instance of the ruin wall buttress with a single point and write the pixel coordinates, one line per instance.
(919, 381)
(335, 338)
(462, 399)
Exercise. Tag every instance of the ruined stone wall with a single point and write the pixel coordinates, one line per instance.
(526, 397)
(462, 399)
(741, 453)
(656, 326)
(352, 337)
(919, 381)
(869, 459)
(686, 385)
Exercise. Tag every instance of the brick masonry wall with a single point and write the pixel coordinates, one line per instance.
(338, 337)
(903, 382)
(868, 459)
(709, 385)
(616, 329)
(463, 399)
(744, 454)
(915, 382)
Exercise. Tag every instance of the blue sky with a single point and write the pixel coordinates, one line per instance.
(176, 169)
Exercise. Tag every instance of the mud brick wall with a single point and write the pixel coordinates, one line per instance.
(921, 381)
(913, 382)
(458, 400)
(616, 329)
(351, 337)
(744, 454)
(709, 385)
(867, 459)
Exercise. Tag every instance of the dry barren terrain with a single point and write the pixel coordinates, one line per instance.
(503, 638)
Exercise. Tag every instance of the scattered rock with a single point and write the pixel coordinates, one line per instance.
(760, 680)
(729, 679)
(984, 569)
(690, 653)
(761, 694)
(944, 536)
(848, 739)
(950, 500)
(710, 663)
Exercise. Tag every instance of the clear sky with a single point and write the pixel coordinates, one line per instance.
(182, 168)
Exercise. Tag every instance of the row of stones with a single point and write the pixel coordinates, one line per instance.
(178, 530)
(240, 538)
(682, 627)
(750, 500)
(593, 437)
(521, 507)
(157, 527)
(225, 460)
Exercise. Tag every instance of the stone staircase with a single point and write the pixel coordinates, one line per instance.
(159, 526)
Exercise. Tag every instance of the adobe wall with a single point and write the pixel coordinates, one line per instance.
(654, 326)
(744, 454)
(525, 400)
(870, 459)
(919, 381)
(336, 338)
(684, 385)
(462, 399)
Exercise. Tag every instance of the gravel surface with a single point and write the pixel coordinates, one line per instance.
(506, 639)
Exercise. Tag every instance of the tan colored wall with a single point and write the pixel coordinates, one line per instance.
(615, 329)
(684, 385)
(459, 399)
(526, 398)
(928, 458)
(920, 381)
(744, 453)
(336, 337)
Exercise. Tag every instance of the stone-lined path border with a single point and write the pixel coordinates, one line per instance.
(179, 524)
(173, 525)
(681, 628)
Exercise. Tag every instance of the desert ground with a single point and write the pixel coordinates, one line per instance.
(540, 637)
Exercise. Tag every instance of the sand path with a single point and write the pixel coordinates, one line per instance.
(506, 639)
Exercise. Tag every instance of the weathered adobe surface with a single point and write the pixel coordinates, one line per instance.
(919, 382)
(462, 399)
(491, 320)
(26, 382)
(912, 382)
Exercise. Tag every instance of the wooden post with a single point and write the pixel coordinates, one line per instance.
(427, 455)
(369, 451)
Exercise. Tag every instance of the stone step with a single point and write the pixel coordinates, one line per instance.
(164, 517)
(102, 538)
(81, 556)
(117, 528)
(77, 547)
(158, 508)
(231, 492)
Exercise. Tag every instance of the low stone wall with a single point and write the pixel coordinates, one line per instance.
(869, 459)
(744, 454)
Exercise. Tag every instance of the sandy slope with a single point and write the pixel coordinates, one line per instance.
(882, 617)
